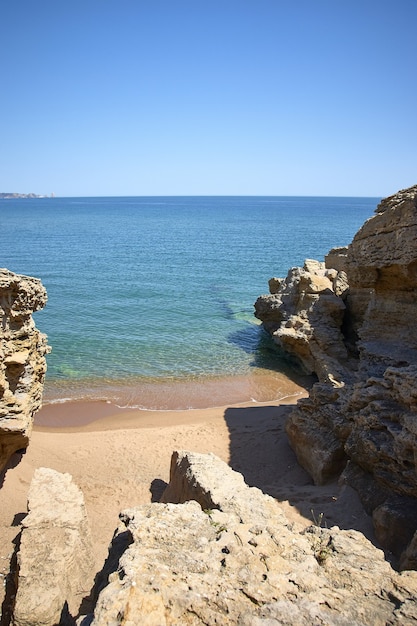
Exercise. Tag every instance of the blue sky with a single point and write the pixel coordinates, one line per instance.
(178, 97)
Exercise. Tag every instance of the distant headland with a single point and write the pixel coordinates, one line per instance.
(8, 196)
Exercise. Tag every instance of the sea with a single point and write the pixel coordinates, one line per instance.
(151, 299)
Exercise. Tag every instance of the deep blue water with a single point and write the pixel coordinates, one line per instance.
(144, 290)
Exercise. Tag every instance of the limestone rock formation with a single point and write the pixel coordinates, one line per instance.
(382, 271)
(304, 314)
(22, 360)
(362, 418)
(55, 556)
(201, 477)
(241, 562)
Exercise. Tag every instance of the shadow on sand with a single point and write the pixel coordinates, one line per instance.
(260, 451)
(12, 462)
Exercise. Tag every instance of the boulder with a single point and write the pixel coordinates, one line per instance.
(201, 477)
(55, 555)
(22, 360)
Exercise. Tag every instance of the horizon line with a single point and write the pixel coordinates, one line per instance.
(57, 197)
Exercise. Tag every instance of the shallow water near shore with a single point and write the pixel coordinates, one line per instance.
(150, 300)
(177, 395)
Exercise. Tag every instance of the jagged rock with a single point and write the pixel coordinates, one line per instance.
(341, 285)
(336, 258)
(185, 565)
(22, 360)
(369, 418)
(275, 284)
(201, 477)
(304, 316)
(55, 556)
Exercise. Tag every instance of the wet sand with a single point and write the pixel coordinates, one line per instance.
(179, 394)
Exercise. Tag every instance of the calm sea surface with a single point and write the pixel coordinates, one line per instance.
(150, 300)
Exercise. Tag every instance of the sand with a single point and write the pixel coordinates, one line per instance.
(121, 459)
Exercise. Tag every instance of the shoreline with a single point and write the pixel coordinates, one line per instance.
(151, 401)
(97, 415)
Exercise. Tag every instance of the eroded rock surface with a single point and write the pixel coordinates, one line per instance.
(55, 556)
(362, 415)
(304, 315)
(22, 360)
(201, 477)
(241, 563)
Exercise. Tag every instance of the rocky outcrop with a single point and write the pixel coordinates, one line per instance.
(221, 553)
(360, 418)
(240, 562)
(201, 477)
(22, 360)
(304, 314)
(55, 556)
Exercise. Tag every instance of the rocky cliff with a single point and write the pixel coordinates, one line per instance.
(22, 360)
(351, 321)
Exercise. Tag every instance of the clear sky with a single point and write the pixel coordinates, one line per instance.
(208, 97)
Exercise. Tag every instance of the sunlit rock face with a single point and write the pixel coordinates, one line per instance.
(304, 315)
(213, 551)
(22, 360)
(55, 552)
(240, 561)
(361, 417)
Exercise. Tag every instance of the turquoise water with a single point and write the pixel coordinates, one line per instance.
(149, 295)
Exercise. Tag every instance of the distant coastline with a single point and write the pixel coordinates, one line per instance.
(10, 196)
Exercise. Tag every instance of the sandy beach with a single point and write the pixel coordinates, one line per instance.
(121, 459)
